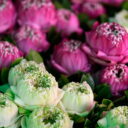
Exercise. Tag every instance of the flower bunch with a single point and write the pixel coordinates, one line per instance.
(63, 63)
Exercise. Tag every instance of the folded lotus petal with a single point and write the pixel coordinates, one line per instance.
(108, 42)
(7, 15)
(37, 13)
(29, 38)
(116, 76)
(71, 51)
(8, 54)
(67, 22)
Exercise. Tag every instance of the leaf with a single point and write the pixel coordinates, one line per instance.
(77, 118)
(4, 75)
(58, 5)
(23, 111)
(111, 19)
(125, 5)
(17, 61)
(63, 80)
(103, 18)
(66, 4)
(83, 17)
(88, 78)
(9, 39)
(126, 94)
(9, 94)
(103, 91)
(34, 56)
(108, 103)
(4, 88)
(87, 124)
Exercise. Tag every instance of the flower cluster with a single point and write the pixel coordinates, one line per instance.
(63, 63)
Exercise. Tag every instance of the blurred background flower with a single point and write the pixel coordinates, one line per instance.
(8, 54)
(7, 15)
(28, 38)
(122, 18)
(37, 13)
(67, 22)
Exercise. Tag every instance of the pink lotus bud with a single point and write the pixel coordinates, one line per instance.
(113, 2)
(37, 13)
(29, 38)
(117, 77)
(83, 1)
(77, 1)
(92, 9)
(68, 57)
(107, 44)
(7, 15)
(8, 54)
(67, 22)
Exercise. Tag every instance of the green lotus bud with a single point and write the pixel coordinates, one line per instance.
(37, 89)
(122, 18)
(16, 73)
(116, 118)
(8, 112)
(78, 98)
(47, 117)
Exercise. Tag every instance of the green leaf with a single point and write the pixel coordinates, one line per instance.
(66, 4)
(9, 39)
(126, 94)
(111, 19)
(17, 61)
(9, 94)
(88, 78)
(103, 18)
(34, 56)
(4, 88)
(83, 17)
(108, 103)
(88, 123)
(4, 75)
(125, 5)
(103, 91)
(23, 111)
(63, 80)
(77, 118)
(58, 5)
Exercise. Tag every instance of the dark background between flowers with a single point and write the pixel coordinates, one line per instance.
(103, 97)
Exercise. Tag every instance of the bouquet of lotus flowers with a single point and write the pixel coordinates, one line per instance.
(63, 63)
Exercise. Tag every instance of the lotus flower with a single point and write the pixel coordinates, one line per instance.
(122, 18)
(83, 1)
(37, 13)
(116, 118)
(29, 38)
(24, 67)
(78, 98)
(76, 60)
(8, 112)
(93, 9)
(113, 2)
(47, 117)
(107, 44)
(67, 22)
(37, 89)
(8, 54)
(117, 77)
(7, 15)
